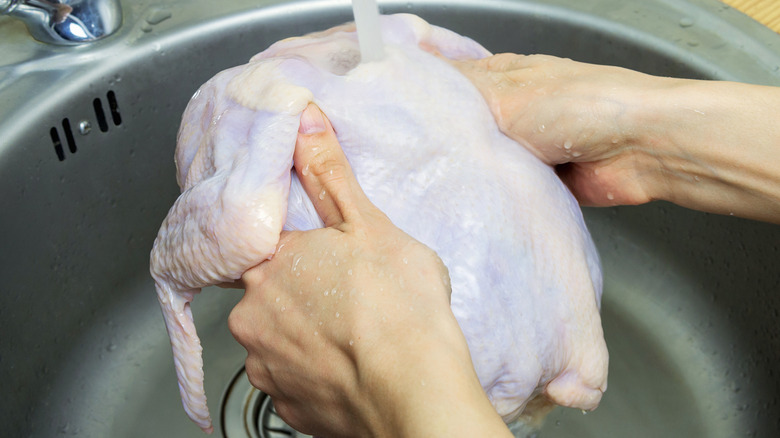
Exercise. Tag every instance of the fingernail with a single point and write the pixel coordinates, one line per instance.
(312, 121)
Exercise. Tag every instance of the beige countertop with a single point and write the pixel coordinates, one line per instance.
(766, 12)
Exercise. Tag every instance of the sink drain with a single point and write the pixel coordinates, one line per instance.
(248, 412)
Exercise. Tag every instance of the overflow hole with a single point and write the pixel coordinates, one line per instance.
(84, 126)
(114, 107)
(69, 135)
(100, 114)
(55, 139)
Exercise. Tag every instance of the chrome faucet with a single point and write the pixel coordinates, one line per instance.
(66, 22)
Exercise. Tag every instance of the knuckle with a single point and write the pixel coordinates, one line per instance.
(236, 323)
(326, 164)
(253, 276)
(258, 375)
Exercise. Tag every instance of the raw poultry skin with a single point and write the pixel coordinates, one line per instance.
(526, 280)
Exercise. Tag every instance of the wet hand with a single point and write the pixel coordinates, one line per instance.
(345, 323)
(578, 117)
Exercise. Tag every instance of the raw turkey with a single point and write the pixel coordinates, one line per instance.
(526, 280)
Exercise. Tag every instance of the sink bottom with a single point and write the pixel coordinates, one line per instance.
(650, 394)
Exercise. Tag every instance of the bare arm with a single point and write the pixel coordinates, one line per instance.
(623, 137)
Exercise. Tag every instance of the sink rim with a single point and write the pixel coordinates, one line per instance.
(170, 38)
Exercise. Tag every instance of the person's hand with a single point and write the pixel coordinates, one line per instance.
(572, 113)
(348, 328)
(620, 137)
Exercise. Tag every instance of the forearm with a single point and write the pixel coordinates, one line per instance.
(717, 147)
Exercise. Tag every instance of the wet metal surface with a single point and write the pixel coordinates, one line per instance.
(86, 175)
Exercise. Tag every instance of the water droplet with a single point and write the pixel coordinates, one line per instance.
(296, 260)
(686, 22)
(567, 144)
(337, 314)
(541, 128)
(283, 308)
(349, 272)
(157, 15)
(610, 196)
(277, 299)
(305, 170)
(326, 292)
(406, 261)
(316, 333)
(351, 342)
(322, 195)
(576, 154)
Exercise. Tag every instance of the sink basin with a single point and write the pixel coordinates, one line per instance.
(87, 135)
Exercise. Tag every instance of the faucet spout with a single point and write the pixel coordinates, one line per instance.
(66, 22)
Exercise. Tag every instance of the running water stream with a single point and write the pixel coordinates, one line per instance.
(369, 36)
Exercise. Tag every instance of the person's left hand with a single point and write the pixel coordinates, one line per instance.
(345, 323)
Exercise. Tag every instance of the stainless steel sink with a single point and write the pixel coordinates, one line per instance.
(691, 304)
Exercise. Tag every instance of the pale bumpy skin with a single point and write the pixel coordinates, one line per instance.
(526, 281)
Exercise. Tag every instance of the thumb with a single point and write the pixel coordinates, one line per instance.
(324, 171)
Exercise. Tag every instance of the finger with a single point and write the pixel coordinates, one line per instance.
(602, 189)
(256, 275)
(324, 171)
(260, 376)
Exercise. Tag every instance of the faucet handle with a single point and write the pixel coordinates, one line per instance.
(66, 22)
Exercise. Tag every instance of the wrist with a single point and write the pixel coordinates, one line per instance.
(710, 142)
(427, 386)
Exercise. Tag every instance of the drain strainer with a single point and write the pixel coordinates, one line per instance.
(248, 412)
